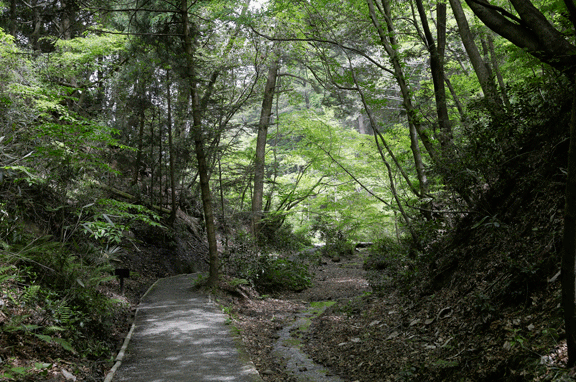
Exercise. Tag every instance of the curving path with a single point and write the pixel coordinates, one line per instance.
(179, 334)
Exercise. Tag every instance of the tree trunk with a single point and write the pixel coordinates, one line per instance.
(436, 51)
(37, 22)
(259, 164)
(455, 98)
(65, 11)
(171, 152)
(480, 68)
(418, 162)
(160, 160)
(390, 44)
(497, 72)
(199, 145)
(569, 243)
(152, 167)
(138, 162)
(361, 127)
(13, 24)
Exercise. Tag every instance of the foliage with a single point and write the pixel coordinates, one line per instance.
(266, 272)
(102, 226)
(277, 236)
(270, 273)
(53, 297)
(389, 264)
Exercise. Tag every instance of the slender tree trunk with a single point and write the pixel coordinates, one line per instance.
(138, 162)
(13, 25)
(160, 165)
(259, 164)
(222, 205)
(189, 45)
(436, 50)
(390, 44)
(171, 152)
(270, 194)
(569, 243)
(496, 69)
(480, 68)
(65, 10)
(455, 98)
(418, 162)
(361, 127)
(37, 22)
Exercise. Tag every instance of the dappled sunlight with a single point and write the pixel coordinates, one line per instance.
(186, 338)
(355, 281)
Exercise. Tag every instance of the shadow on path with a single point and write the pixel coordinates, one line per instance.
(180, 335)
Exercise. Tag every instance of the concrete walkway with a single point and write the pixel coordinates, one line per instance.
(180, 335)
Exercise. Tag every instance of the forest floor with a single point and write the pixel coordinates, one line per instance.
(368, 337)
(260, 319)
(354, 334)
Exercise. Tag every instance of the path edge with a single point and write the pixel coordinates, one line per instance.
(122, 351)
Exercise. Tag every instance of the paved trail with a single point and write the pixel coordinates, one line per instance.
(180, 335)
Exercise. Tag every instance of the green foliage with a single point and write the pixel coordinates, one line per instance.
(61, 293)
(84, 54)
(272, 274)
(389, 264)
(266, 272)
(276, 235)
(13, 372)
(103, 227)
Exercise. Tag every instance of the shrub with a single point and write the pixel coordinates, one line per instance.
(278, 273)
(265, 272)
(389, 263)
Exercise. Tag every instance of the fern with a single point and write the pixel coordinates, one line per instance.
(30, 295)
(60, 341)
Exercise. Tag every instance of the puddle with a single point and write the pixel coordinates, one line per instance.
(289, 347)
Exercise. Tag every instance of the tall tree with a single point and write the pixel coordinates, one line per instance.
(259, 161)
(189, 37)
(171, 152)
(436, 48)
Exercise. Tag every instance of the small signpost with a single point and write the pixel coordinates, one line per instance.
(122, 273)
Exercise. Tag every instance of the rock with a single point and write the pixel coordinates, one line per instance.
(267, 372)
(69, 376)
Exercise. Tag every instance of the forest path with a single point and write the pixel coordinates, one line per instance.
(179, 334)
